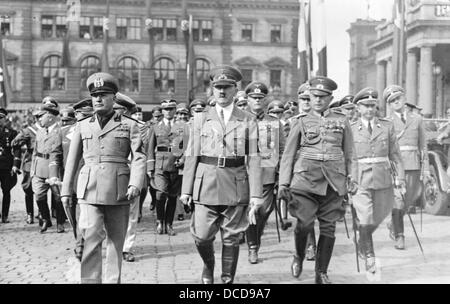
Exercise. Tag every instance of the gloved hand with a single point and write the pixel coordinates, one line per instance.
(132, 192)
(401, 185)
(255, 204)
(284, 193)
(352, 186)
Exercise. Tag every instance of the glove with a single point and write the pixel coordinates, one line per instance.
(284, 193)
(401, 185)
(255, 204)
(352, 186)
(66, 201)
(132, 192)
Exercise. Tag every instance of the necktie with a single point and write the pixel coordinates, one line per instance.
(222, 116)
(370, 128)
(403, 118)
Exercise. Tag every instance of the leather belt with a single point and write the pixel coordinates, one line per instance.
(164, 149)
(321, 157)
(373, 160)
(43, 155)
(223, 162)
(409, 148)
(105, 159)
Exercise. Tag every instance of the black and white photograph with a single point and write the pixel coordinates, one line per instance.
(257, 143)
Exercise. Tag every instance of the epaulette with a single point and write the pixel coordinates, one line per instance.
(129, 117)
(300, 115)
(337, 111)
(353, 122)
(384, 119)
(89, 116)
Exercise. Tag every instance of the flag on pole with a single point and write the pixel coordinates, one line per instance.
(186, 27)
(302, 45)
(320, 33)
(104, 60)
(399, 43)
(5, 89)
(149, 27)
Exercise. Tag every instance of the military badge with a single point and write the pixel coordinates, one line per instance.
(98, 82)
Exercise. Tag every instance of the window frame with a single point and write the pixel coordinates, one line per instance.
(51, 68)
(6, 20)
(83, 79)
(272, 30)
(160, 87)
(205, 81)
(130, 79)
(244, 28)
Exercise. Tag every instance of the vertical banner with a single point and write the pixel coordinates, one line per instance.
(104, 60)
(149, 27)
(302, 45)
(319, 32)
(399, 43)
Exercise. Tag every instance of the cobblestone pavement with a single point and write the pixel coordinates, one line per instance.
(26, 256)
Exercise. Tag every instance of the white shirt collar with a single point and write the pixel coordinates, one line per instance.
(400, 114)
(50, 129)
(366, 122)
(226, 111)
(166, 121)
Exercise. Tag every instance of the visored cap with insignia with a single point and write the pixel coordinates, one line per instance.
(322, 86)
(50, 105)
(156, 111)
(124, 101)
(84, 105)
(182, 108)
(198, 105)
(67, 114)
(256, 89)
(347, 102)
(367, 96)
(303, 91)
(211, 101)
(3, 112)
(168, 104)
(391, 92)
(224, 75)
(102, 83)
(275, 106)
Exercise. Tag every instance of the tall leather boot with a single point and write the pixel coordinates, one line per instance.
(252, 241)
(169, 215)
(230, 256)
(323, 256)
(160, 214)
(300, 239)
(366, 246)
(311, 246)
(398, 226)
(206, 251)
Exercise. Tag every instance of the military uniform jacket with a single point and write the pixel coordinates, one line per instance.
(23, 146)
(164, 137)
(412, 141)
(7, 135)
(66, 138)
(105, 177)
(373, 153)
(47, 158)
(207, 136)
(325, 148)
(271, 146)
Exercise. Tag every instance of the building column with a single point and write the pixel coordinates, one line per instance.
(381, 84)
(426, 80)
(411, 77)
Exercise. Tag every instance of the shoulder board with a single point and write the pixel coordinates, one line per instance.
(337, 111)
(89, 116)
(384, 119)
(300, 115)
(129, 117)
(353, 122)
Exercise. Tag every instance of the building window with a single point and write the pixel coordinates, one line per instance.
(47, 26)
(121, 28)
(61, 28)
(171, 29)
(202, 30)
(275, 33)
(5, 25)
(164, 75)
(128, 74)
(53, 26)
(275, 80)
(89, 66)
(91, 27)
(247, 77)
(158, 29)
(247, 30)
(202, 68)
(54, 77)
(134, 30)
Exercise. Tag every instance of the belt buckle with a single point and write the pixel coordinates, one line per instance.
(221, 162)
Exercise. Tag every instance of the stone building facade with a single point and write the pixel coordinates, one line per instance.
(257, 36)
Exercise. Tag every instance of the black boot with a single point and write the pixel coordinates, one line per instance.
(311, 246)
(159, 227)
(252, 241)
(300, 238)
(398, 227)
(324, 252)
(206, 251)
(230, 256)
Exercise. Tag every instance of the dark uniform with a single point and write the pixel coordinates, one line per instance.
(375, 146)
(23, 146)
(271, 147)
(162, 164)
(411, 139)
(156, 118)
(317, 179)
(8, 178)
(107, 183)
(222, 174)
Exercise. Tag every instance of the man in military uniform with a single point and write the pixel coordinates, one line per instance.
(413, 148)
(106, 184)
(276, 109)
(67, 116)
(241, 101)
(23, 146)
(315, 183)
(197, 106)
(8, 170)
(271, 147)
(156, 118)
(222, 175)
(83, 108)
(182, 113)
(47, 162)
(162, 166)
(375, 146)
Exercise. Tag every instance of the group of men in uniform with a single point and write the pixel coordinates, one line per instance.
(228, 164)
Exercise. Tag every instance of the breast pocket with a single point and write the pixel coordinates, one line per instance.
(122, 140)
(242, 189)
(123, 178)
(86, 138)
(83, 180)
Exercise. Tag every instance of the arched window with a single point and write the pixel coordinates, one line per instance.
(128, 74)
(53, 76)
(202, 68)
(89, 66)
(164, 75)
